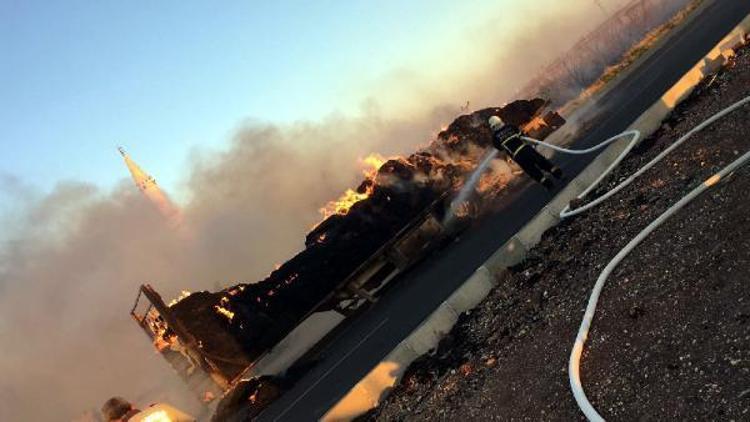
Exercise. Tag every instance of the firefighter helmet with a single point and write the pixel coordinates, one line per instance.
(495, 122)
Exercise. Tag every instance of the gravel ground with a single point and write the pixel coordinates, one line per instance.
(671, 338)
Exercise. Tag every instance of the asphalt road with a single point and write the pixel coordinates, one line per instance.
(372, 335)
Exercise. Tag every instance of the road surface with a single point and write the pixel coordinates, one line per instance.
(369, 338)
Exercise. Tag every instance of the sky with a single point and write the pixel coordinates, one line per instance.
(80, 78)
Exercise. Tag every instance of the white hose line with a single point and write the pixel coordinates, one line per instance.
(566, 212)
(575, 356)
(636, 136)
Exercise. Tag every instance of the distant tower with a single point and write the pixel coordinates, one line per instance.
(151, 190)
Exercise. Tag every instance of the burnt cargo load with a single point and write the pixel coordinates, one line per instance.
(395, 225)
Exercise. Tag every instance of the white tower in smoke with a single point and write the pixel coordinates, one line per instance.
(151, 190)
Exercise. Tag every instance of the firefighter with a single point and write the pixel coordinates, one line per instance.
(507, 138)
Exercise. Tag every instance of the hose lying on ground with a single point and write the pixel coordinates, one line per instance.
(575, 356)
(636, 135)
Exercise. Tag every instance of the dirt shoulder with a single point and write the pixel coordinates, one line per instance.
(671, 338)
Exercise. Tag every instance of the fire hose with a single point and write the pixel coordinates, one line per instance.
(574, 363)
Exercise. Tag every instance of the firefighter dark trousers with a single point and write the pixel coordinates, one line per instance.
(532, 162)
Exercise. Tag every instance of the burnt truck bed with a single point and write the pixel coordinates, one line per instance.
(225, 336)
(204, 351)
(207, 364)
(413, 242)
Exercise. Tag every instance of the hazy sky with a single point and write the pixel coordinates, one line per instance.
(79, 77)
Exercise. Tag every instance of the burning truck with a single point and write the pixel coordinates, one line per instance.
(258, 335)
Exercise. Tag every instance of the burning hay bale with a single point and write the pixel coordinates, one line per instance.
(355, 227)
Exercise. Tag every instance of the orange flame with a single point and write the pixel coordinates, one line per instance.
(322, 238)
(370, 166)
(224, 311)
(344, 203)
(183, 295)
(161, 344)
(534, 124)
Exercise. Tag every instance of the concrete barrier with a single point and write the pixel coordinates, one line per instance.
(368, 393)
(473, 291)
(296, 343)
(531, 233)
(511, 253)
(426, 337)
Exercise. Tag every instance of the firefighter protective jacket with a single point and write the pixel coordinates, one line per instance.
(508, 139)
